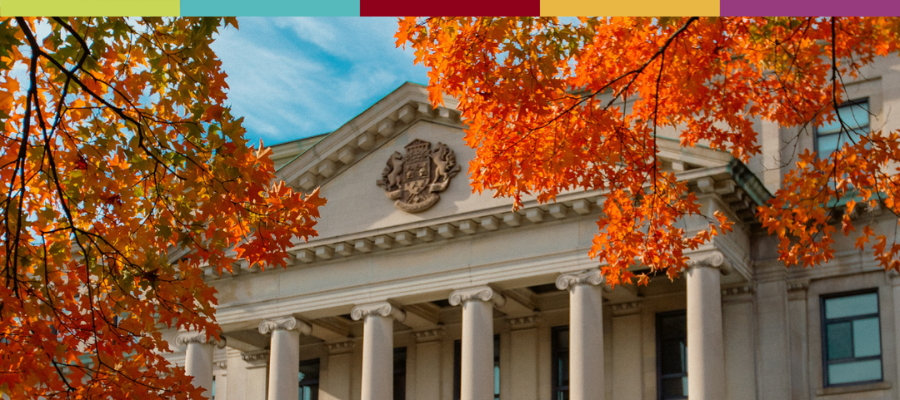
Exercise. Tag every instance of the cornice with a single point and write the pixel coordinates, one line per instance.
(256, 359)
(342, 347)
(380, 309)
(284, 324)
(524, 322)
(623, 309)
(429, 335)
(478, 293)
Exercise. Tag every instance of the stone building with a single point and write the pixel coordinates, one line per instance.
(416, 288)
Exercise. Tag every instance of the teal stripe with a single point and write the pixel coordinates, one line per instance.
(270, 8)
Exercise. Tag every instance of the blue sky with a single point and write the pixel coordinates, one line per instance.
(296, 77)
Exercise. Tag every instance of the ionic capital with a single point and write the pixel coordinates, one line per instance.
(707, 259)
(478, 293)
(185, 338)
(380, 309)
(589, 277)
(284, 324)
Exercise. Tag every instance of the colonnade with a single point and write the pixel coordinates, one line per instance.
(586, 380)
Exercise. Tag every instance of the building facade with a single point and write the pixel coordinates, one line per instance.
(416, 288)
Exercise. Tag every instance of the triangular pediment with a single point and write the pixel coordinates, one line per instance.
(397, 174)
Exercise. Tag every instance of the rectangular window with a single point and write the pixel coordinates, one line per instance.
(851, 332)
(400, 373)
(309, 379)
(560, 349)
(457, 368)
(671, 355)
(832, 136)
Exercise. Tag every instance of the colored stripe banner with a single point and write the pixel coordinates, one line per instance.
(315, 8)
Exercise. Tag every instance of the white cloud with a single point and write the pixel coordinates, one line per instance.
(295, 77)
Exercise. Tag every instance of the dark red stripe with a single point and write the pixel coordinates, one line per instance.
(442, 8)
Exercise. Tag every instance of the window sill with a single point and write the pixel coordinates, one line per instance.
(865, 387)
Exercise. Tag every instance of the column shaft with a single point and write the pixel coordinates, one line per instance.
(284, 365)
(378, 358)
(198, 363)
(586, 343)
(477, 374)
(706, 355)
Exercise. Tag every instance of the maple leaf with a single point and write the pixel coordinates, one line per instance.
(585, 110)
(138, 114)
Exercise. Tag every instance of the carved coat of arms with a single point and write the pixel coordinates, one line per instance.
(414, 179)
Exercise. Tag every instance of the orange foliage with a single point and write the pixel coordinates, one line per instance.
(122, 174)
(552, 106)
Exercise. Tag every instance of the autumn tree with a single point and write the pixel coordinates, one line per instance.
(124, 176)
(552, 106)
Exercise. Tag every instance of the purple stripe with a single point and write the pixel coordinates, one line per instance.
(806, 8)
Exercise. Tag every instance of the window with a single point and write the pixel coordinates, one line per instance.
(309, 379)
(856, 120)
(457, 368)
(671, 355)
(560, 349)
(851, 333)
(213, 391)
(400, 373)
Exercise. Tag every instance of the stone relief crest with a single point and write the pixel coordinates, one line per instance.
(416, 178)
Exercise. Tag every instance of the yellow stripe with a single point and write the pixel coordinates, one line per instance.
(84, 8)
(637, 8)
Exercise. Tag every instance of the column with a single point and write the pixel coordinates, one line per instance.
(378, 348)
(284, 356)
(477, 372)
(428, 363)
(627, 368)
(337, 385)
(585, 334)
(523, 366)
(740, 340)
(198, 358)
(706, 354)
(247, 374)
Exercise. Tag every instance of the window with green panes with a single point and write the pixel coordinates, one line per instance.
(832, 136)
(851, 333)
(309, 379)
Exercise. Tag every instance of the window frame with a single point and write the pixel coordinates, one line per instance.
(317, 382)
(848, 103)
(556, 386)
(823, 330)
(399, 372)
(659, 339)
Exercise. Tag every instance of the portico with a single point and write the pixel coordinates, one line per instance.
(455, 295)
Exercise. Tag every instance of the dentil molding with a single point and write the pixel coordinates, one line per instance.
(284, 324)
(380, 309)
(524, 322)
(342, 347)
(429, 335)
(478, 293)
(589, 277)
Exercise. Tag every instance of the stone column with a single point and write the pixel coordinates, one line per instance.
(378, 348)
(337, 385)
(523, 366)
(585, 334)
(477, 372)
(740, 340)
(706, 351)
(428, 363)
(284, 356)
(627, 367)
(198, 359)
